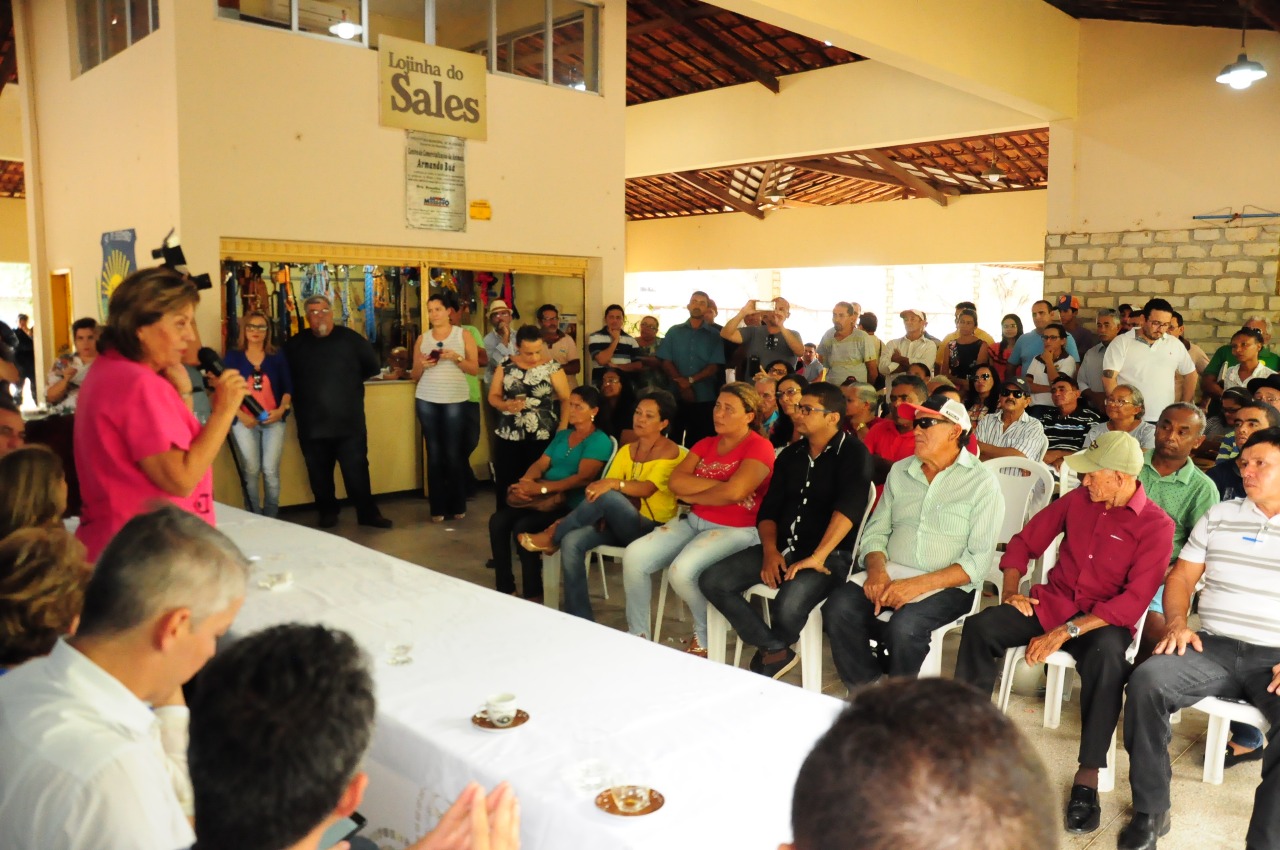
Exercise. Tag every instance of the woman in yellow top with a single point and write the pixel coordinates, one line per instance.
(630, 501)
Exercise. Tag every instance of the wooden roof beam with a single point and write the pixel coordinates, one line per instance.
(840, 169)
(911, 181)
(720, 45)
(1267, 11)
(703, 185)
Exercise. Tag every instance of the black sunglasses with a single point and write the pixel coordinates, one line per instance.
(925, 423)
(1012, 394)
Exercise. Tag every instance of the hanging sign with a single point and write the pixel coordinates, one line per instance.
(118, 262)
(435, 182)
(432, 89)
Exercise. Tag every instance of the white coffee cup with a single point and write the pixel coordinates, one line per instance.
(501, 709)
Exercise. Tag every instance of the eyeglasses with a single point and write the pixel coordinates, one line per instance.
(610, 382)
(1012, 394)
(1047, 337)
(255, 327)
(925, 423)
(790, 392)
(1155, 325)
(320, 311)
(807, 409)
(1117, 402)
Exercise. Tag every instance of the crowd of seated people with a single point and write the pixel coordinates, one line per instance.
(776, 475)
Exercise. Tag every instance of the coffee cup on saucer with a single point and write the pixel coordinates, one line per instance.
(501, 709)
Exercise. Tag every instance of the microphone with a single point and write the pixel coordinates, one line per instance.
(211, 362)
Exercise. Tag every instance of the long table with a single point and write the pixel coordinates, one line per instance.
(722, 745)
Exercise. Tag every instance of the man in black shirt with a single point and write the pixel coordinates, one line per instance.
(329, 366)
(808, 523)
(1066, 421)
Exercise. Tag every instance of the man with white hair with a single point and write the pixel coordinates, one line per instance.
(93, 736)
(1113, 556)
(1236, 653)
(329, 368)
(925, 549)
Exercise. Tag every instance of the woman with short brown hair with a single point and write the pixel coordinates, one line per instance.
(33, 490)
(43, 575)
(143, 443)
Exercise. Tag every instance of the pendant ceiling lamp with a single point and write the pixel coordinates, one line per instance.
(345, 28)
(1243, 72)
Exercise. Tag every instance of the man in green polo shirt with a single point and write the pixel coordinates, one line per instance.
(1173, 482)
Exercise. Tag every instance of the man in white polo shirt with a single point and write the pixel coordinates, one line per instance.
(1235, 549)
(93, 736)
(1151, 360)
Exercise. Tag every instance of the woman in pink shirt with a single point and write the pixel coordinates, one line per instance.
(724, 477)
(139, 442)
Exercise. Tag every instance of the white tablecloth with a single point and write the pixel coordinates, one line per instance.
(723, 745)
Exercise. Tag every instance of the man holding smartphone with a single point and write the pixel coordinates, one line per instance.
(770, 340)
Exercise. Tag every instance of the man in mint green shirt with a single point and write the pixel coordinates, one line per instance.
(1172, 480)
(926, 549)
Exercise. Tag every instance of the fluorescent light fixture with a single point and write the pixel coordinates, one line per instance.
(346, 29)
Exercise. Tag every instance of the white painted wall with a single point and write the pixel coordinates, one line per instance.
(1006, 227)
(1157, 140)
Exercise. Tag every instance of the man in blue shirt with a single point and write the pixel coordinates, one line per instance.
(691, 354)
(1030, 345)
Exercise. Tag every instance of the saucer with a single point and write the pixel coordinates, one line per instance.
(480, 720)
(604, 802)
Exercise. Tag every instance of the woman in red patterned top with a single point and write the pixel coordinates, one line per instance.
(724, 478)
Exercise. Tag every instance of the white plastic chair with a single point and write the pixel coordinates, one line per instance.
(1221, 713)
(932, 666)
(809, 646)
(1023, 499)
(1068, 479)
(551, 563)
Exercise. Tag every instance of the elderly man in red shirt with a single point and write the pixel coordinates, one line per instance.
(1117, 544)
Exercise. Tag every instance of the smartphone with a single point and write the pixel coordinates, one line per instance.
(765, 306)
(342, 830)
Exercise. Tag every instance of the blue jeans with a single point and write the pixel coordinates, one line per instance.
(444, 427)
(259, 449)
(688, 546)
(576, 535)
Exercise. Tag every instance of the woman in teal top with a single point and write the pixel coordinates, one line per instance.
(549, 489)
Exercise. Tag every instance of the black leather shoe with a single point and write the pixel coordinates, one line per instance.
(328, 520)
(1084, 813)
(376, 521)
(1232, 758)
(1142, 831)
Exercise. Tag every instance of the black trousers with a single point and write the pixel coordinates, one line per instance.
(351, 454)
(511, 459)
(1165, 683)
(504, 526)
(1099, 656)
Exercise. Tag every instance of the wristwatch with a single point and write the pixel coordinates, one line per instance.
(1073, 631)
(543, 490)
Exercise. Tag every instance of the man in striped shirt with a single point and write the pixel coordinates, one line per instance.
(1010, 431)
(1235, 549)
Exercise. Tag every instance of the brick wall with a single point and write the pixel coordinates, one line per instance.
(1215, 277)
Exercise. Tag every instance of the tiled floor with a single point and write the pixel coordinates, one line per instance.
(1206, 817)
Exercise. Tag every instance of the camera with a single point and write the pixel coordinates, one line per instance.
(171, 257)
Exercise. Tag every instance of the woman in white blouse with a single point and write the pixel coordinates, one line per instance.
(1049, 364)
(1246, 348)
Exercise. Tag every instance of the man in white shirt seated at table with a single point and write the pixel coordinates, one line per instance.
(93, 736)
(926, 549)
(280, 722)
(1236, 653)
(915, 764)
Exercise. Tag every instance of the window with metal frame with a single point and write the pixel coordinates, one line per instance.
(106, 27)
